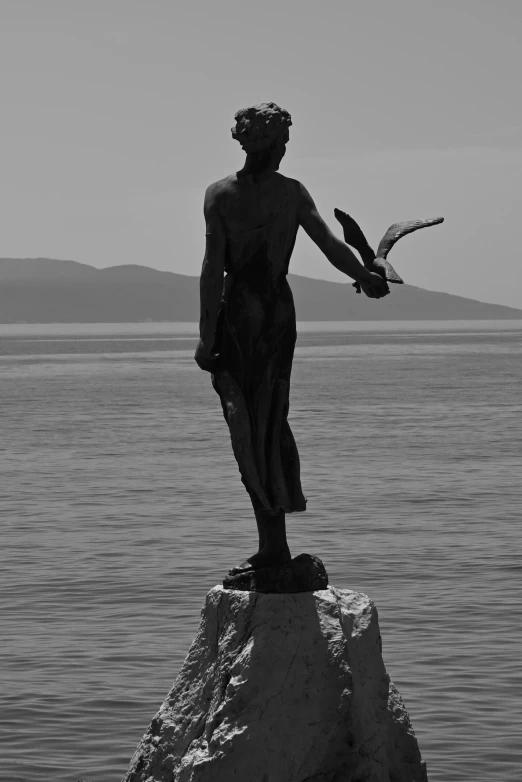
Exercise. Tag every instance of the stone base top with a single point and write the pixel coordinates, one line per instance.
(305, 573)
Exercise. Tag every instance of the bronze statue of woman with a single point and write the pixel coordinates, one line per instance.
(248, 322)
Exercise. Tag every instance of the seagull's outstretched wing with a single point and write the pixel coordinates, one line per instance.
(398, 230)
(392, 235)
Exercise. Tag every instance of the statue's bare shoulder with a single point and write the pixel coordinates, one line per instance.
(216, 196)
(302, 196)
(217, 192)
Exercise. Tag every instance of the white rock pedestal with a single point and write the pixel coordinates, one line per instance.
(282, 688)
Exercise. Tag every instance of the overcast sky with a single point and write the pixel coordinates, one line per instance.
(116, 114)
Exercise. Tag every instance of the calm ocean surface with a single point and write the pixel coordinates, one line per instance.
(121, 507)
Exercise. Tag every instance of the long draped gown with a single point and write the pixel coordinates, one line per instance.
(256, 334)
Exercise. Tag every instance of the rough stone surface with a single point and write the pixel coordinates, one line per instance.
(305, 573)
(282, 688)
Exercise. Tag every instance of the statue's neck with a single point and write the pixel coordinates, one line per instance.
(259, 167)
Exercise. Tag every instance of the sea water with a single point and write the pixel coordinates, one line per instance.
(121, 506)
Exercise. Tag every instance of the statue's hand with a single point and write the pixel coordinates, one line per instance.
(374, 285)
(205, 358)
(378, 268)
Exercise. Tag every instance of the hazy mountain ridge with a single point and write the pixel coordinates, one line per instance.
(44, 290)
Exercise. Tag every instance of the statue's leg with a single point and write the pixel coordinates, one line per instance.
(275, 548)
(260, 528)
(273, 545)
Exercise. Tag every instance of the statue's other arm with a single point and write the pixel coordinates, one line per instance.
(211, 281)
(337, 252)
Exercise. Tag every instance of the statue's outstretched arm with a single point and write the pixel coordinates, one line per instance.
(211, 281)
(337, 252)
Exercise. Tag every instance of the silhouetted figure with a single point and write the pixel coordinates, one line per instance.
(248, 324)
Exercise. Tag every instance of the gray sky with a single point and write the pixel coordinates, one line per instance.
(116, 114)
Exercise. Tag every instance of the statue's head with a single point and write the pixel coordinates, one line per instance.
(262, 131)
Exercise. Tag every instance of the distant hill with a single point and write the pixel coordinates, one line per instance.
(44, 290)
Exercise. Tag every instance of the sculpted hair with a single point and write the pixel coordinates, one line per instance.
(257, 127)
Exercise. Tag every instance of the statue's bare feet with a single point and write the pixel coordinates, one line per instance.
(265, 558)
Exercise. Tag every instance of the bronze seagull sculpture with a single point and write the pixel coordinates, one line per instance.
(355, 238)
